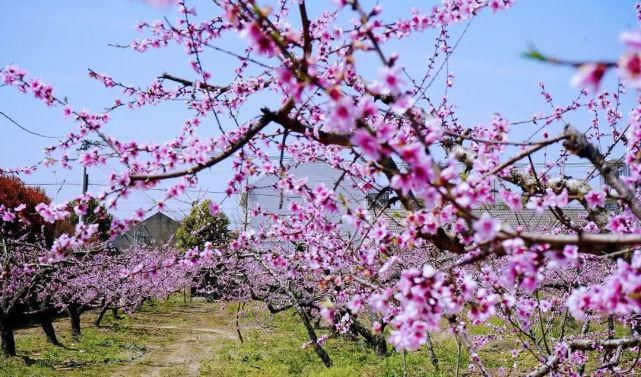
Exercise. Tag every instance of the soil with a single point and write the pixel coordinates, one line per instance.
(193, 341)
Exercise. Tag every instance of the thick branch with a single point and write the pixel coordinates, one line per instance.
(296, 126)
(307, 37)
(576, 188)
(586, 345)
(577, 143)
(589, 243)
(267, 118)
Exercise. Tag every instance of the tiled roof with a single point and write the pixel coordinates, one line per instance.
(273, 200)
(269, 197)
(533, 221)
(156, 230)
(530, 220)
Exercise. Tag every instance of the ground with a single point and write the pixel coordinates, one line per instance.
(195, 339)
(176, 338)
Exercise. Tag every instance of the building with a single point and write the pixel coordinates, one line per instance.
(156, 230)
(265, 194)
(268, 197)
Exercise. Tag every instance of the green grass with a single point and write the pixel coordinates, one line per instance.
(96, 351)
(272, 347)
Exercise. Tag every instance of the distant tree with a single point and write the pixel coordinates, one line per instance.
(13, 193)
(203, 225)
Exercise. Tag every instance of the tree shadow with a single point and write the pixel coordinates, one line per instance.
(29, 361)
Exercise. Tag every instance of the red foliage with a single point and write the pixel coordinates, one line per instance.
(14, 192)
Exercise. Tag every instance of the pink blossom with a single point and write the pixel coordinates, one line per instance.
(380, 301)
(6, 214)
(328, 312)
(589, 76)
(484, 308)
(486, 228)
(368, 143)
(595, 198)
(563, 258)
(356, 304)
(261, 42)
(630, 69)
(343, 114)
(511, 200)
(214, 208)
(367, 107)
(551, 199)
(390, 81)
(618, 224)
(402, 104)
(631, 39)
(67, 111)
(81, 208)
(139, 213)
(410, 337)
(12, 75)
(52, 213)
(618, 294)
(535, 203)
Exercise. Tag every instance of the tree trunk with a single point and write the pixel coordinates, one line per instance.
(607, 354)
(47, 327)
(114, 313)
(313, 338)
(373, 340)
(6, 335)
(100, 316)
(430, 348)
(74, 316)
(241, 304)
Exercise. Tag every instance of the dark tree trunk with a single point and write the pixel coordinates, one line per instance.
(6, 335)
(430, 348)
(373, 340)
(607, 354)
(313, 338)
(100, 316)
(47, 327)
(241, 304)
(114, 313)
(74, 316)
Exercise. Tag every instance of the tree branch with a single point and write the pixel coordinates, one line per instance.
(577, 143)
(267, 118)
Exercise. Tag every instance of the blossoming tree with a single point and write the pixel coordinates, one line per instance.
(452, 264)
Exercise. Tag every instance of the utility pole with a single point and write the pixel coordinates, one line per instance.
(86, 144)
(83, 187)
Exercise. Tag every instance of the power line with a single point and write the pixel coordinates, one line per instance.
(163, 189)
(27, 130)
(106, 185)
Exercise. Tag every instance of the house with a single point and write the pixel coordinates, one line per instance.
(265, 194)
(156, 230)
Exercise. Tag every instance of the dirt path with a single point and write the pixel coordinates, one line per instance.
(193, 341)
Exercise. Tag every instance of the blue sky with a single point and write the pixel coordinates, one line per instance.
(59, 40)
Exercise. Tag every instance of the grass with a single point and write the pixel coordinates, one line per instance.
(97, 352)
(271, 347)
